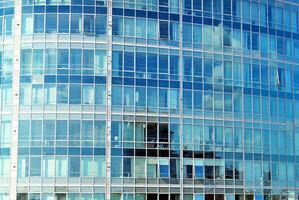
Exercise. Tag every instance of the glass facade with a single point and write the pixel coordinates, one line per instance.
(149, 99)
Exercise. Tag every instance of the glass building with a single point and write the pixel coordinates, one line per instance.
(149, 99)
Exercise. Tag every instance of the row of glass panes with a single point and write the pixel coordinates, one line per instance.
(62, 166)
(64, 23)
(64, 2)
(64, 58)
(251, 12)
(63, 130)
(152, 196)
(249, 171)
(149, 98)
(39, 94)
(248, 70)
(57, 196)
(76, 166)
(159, 30)
(89, 131)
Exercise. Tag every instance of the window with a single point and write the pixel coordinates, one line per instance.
(217, 6)
(76, 58)
(188, 168)
(164, 167)
(100, 25)
(99, 167)
(163, 98)
(198, 168)
(116, 167)
(152, 168)
(152, 132)
(74, 131)
(49, 130)
(75, 94)
(62, 94)
(36, 129)
(227, 37)
(163, 30)
(129, 27)
(63, 23)
(128, 167)
(51, 23)
(27, 24)
(61, 166)
(227, 7)
(187, 32)
(236, 8)
(129, 61)
(89, 24)
(280, 76)
(35, 166)
(197, 4)
(117, 25)
(48, 166)
(163, 63)
(63, 58)
(139, 167)
(76, 23)
(61, 130)
(116, 133)
(24, 130)
(174, 31)
(152, 63)
(8, 24)
(88, 59)
(207, 5)
(152, 32)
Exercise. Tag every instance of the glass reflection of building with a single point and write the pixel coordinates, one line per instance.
(149, 99)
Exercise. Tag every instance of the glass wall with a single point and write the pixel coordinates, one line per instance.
(204, 99)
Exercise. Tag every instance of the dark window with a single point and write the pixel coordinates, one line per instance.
(129, 61)
(281, 77)
(189, 171)
(197, 4)
(163, 63)
(187, 4)
(152, 132)
(127, 167)
(163, 2)
(163, 30)
(140, 62)
(229, 172)
(227, 7)
(174, 168)
(163, 133)
(209, 172)
(152, 196)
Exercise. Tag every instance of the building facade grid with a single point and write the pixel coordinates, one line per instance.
(149, 99)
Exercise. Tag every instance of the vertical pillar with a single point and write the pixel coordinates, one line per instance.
(108, 108)
(181, 98)
(15, 98)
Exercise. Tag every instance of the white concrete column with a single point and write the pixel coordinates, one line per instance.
(108, 107)
(15, 98)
